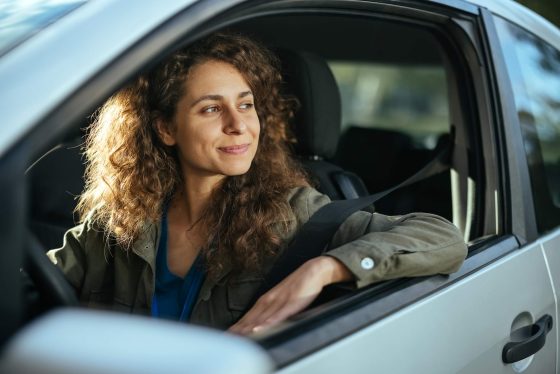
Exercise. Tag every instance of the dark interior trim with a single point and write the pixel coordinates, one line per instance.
(465, 69)
(518, 207)
(12, 225)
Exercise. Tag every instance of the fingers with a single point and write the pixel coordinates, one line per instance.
(264, 312)
(289, 297)
(269, 311)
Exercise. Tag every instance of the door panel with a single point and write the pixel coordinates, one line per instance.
(551, 246)
(460, 329)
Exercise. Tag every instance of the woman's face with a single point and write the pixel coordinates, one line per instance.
(216, 128)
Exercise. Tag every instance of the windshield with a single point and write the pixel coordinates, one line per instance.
(20, 19)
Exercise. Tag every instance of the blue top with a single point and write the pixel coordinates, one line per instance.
(174, 297)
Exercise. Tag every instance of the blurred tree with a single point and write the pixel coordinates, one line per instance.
(549, 9)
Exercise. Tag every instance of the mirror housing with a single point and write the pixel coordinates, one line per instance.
(85, 341)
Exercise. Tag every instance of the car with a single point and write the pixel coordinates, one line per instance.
(411, 77)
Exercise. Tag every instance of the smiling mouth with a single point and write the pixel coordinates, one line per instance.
(235, 149)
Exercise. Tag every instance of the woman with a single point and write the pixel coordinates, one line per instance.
(191, 194)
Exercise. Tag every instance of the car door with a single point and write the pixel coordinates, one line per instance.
(533, 66)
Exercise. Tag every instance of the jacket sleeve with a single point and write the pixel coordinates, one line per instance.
(376, 247)
(71, 258)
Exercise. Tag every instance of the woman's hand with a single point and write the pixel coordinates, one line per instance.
(293, 294)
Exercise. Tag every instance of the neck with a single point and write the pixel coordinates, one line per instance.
(194, 197)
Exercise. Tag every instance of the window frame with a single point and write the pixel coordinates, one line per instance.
(517, 204)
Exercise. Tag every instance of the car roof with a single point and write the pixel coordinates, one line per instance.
(523, 17)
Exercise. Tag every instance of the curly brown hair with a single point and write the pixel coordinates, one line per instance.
(130, 172)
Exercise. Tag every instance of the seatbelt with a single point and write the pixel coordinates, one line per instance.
(314, 236)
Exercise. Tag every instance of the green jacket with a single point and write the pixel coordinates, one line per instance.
(374, 247)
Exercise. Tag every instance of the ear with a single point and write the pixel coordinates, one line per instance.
(165, 133)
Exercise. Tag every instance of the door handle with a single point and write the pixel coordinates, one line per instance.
(527, 340)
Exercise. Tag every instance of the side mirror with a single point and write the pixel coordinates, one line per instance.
(84, 341)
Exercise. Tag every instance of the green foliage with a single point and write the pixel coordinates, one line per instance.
(549, 9)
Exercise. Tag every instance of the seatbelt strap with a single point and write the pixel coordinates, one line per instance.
(314, 236)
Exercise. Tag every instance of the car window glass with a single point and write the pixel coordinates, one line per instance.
(21, 19)
(410, 99)
(534, 68)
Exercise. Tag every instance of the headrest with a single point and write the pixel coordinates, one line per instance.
(317, 121)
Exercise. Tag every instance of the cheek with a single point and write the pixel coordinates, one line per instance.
(257, 130)
(256, 126)
(205, 135)
(195, 144)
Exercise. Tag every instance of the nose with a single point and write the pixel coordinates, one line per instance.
(234, 124)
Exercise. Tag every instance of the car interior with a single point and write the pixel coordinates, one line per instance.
(376, 97)
(345, 160)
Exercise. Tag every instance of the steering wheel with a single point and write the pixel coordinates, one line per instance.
(49, 280)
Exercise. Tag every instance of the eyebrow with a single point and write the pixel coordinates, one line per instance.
(219, 97)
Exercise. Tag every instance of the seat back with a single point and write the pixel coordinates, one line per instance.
(384, 158)
(317, 123)
(55, 180)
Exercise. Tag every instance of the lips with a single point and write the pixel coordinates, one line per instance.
(235, 149)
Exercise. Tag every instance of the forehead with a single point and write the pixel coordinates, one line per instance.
(215, 77)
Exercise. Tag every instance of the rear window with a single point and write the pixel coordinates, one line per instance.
(19, 19)
(411, 99)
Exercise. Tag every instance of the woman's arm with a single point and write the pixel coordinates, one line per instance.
(293, 294)
(376, 247)
(366, 248)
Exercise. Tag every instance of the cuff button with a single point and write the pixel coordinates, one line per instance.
(367, 263)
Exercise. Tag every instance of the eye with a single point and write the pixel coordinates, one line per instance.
(211, 109)
(246, 106)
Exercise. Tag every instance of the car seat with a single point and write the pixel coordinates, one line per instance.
(384, 158)
(317, 123)
(55, 181)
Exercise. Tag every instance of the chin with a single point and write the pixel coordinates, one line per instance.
(237, 170)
